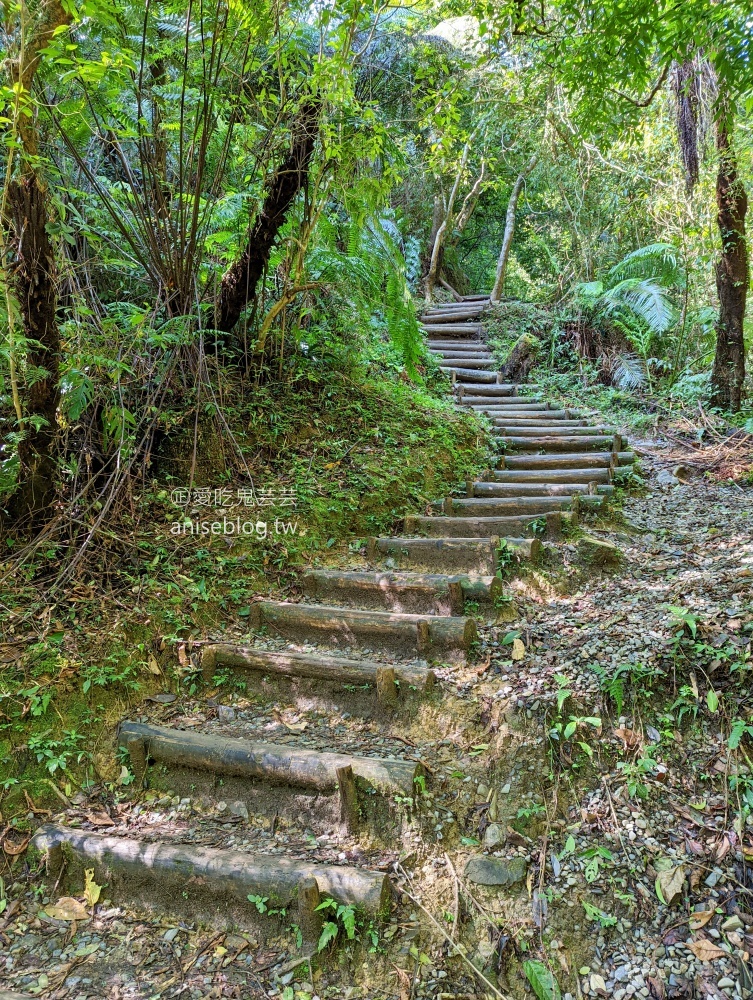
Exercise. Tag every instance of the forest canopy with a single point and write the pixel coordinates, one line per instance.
(195, 198)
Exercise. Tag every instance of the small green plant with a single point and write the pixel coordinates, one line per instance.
(542, 980)
(260, 902)
(57, 754)
(341, 917)
(595, 858)
(635, 771)
(603, 919)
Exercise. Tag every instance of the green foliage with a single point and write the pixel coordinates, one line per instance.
(542, 980)
(342, 917)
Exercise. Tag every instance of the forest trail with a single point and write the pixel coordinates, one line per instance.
(253, 813)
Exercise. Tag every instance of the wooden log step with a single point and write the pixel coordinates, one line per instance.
(469, 555)
(274, 763)
(507, 507)
(484, 393)
(456, 329)
(502, 430)
(469, 376)
(553, 475)
(180, 872)
(449, 316)
(421, 593)
(426, 635)
(501, 405)
(478, 527)
(625, 457)
(529, 416)
(534, 423)
(468, 344)
(583, 460)
(466, 364)
(336, 669)
(476, 297)
(525, 489)
(461, 355)
(552, 443)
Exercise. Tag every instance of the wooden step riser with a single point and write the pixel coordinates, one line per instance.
(583, 460)
(487, 393)
(516, 490)
(455, 359)
(208, 882)
(625, 457)
(453, 555)
(276, 764)
(553, 476)
(456, 329)
(501, 429)
(479, 527)
(467, 344)
(557, 444)
(529, 417)
(502, 507)
(429, 593)
(537, 425)
(344, 628)
(470, 376)
(332, 669)
(468, 364)
(501, 405)
(449, 316)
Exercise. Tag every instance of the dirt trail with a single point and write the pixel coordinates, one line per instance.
(514, 844)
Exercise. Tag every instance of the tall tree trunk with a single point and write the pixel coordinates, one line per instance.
(728, 373)
(238, 286)
(34, 277)
(512, 207)
(28, 251)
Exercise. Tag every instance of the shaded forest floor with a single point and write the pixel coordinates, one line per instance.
(602, 759)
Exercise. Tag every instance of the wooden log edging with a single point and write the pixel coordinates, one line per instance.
(387, 589)
(229, 874)
(337, 669)
(478, 527)
(272, 762)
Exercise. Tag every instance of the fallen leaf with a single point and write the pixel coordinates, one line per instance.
(183, 659)
(669, 885)
(629, 737)
(100, 819)
(597, 984)
(92, 891)
(67, 908)
(518, 649)
(153, 665)
(700, 918)
(705, 950)
(656, 990)
(163, 698)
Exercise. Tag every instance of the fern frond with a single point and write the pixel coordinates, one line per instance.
(657, 262)
(629, 372)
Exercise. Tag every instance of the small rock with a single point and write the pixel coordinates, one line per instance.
(496, 871)
(725, 983)
(239, 809)
(733, 923)
(665, 478)
(225, 713)
(595, 552)
(493, 835)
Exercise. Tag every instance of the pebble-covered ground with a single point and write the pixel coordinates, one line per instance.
(591, 774)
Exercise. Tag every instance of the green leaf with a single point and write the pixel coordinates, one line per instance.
(329, 933)
(542, 981)
(712, 700)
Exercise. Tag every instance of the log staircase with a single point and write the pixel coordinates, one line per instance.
(377, 629)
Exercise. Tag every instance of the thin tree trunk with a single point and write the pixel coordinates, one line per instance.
(732, 275)
(512, 207)
(434, 265)
(238, 286)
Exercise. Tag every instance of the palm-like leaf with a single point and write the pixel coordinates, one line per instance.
(659, 262)
(645, 298)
